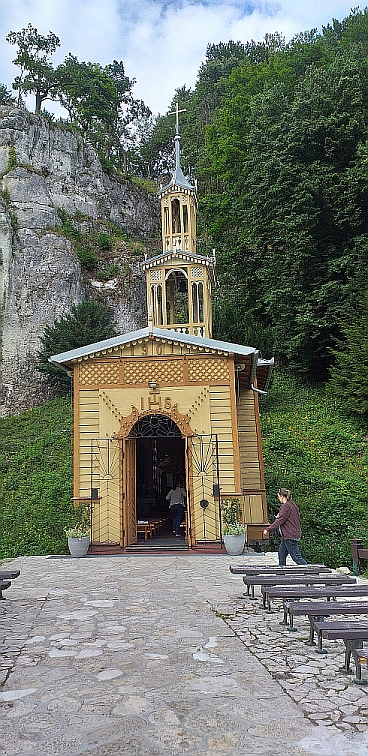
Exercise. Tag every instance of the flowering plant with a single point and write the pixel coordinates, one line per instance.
(76, 532)
(230, 516)
(82, 522)
(237, 529)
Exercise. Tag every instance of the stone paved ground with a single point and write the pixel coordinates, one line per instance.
(163, 656)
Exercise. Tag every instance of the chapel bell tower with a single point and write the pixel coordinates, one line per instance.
(179, 282)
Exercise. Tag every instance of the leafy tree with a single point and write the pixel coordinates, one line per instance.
(100, 101)
(33, 57)
(6, 96)
(157, 150)
(86, 323)
(349, 374)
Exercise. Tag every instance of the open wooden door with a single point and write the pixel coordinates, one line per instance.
(129, 525)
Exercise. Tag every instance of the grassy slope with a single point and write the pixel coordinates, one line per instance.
(309, 446)
(322, 455)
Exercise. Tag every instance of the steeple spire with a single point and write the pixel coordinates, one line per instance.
(178, 175)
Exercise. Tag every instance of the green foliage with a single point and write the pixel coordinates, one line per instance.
(33, 57)
(81, 524)
(230, 517)
(277, 135)
(36, 474)
(12, 158)
(82, 243)
(14, 221)
(349, 374)
(111, 271)
(99, 99)
(104, 241)
(5, 196)
(87, 256)
(145, 184)
(311, 447)
(6, 96)
(86, 323)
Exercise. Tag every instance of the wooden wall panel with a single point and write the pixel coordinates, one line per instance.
(88, 430)
(221, 424)
(248, 442)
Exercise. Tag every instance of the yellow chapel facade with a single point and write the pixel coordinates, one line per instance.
(169, 404)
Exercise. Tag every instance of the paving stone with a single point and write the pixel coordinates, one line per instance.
(140, 664)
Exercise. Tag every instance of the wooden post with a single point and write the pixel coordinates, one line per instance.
(356, 544)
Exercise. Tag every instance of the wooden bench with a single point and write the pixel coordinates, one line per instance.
(360, 555)
(9, 574)
(6, 576)
(3, 585)
(360, 656)
(302, 579)
(147, 528)
(317, 610)
(352, 633)
(288, 570)
(298, 592)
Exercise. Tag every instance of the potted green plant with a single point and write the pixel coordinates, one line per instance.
(233, 530)
(79, 533)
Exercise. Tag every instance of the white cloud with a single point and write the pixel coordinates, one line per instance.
(161, 43)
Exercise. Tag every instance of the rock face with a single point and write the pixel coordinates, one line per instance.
(40, 274)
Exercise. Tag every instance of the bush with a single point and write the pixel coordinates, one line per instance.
(12, 158)
(310, 447)
(36, 473)
(87, 257)
(86, 323)
(104, 241)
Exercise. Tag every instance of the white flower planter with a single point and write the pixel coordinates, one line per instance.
(234, 544)
(78, 547)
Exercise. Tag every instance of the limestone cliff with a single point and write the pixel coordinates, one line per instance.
(44, 169)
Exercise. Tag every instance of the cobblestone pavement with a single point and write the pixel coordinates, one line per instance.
(163, 656)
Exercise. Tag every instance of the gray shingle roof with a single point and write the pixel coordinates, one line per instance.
(143, 333)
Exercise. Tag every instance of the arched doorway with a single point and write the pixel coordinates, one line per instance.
(159, 466)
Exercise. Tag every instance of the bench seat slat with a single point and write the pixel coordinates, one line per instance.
(298, 592)
(315, 609)
(289, 569)
(9, 574)
(252, 580)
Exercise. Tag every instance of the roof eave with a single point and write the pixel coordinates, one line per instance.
(110, 344)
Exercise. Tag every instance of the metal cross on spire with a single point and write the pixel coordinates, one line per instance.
(177, 135)
(176, 113)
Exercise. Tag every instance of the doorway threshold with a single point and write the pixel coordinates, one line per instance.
(143, 548)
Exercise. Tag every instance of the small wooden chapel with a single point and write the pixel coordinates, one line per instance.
(168, 403)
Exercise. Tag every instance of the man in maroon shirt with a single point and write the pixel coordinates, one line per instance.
(288, 524)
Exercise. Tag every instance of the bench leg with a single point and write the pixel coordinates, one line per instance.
(311, 641)
(269, 605)
(349, 647)
(358, 667)
(292, 627)
(284, 620)
(320, 649)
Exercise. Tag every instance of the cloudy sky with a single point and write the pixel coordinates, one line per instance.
(162, 42)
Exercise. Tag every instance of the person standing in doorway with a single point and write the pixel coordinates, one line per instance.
(177, 497)
(288, 524)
